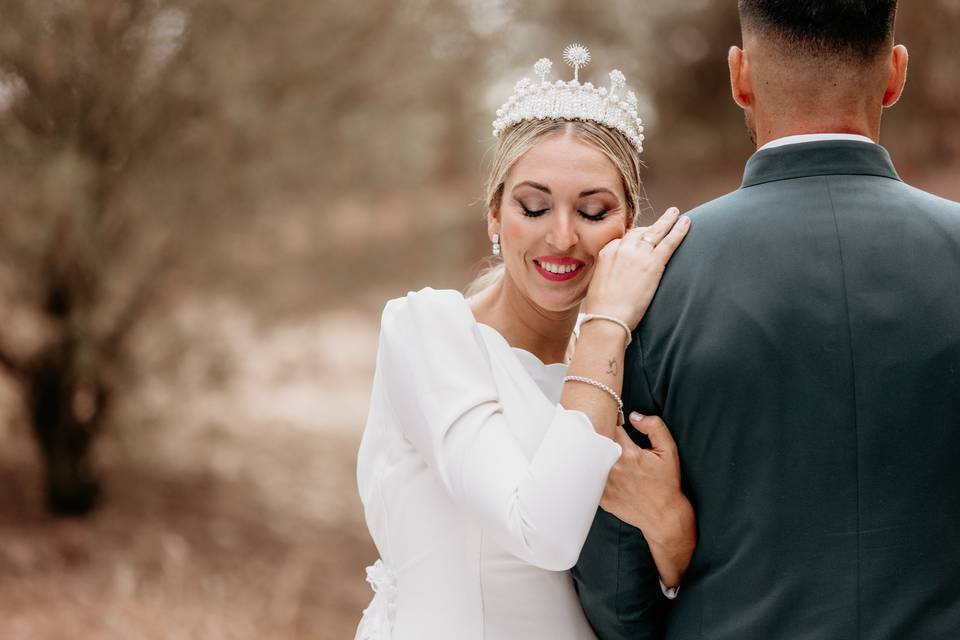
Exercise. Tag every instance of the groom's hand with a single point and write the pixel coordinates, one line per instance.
(643, 489)
(643, 482)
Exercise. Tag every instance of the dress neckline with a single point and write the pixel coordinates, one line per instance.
(548, 377)
(524, 355)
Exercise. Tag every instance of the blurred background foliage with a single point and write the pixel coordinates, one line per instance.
(205, 205)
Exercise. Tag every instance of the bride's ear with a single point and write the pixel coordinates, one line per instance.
(741, 84)
(493, 221)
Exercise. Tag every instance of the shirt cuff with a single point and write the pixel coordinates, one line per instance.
(669, 592)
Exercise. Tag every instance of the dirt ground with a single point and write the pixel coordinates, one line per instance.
(231, 507)
(178, 555)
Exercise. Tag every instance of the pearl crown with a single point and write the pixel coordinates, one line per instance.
(573, 101)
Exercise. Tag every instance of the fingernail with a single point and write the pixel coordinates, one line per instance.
(636, 416)
(685, 220)
(674, 210)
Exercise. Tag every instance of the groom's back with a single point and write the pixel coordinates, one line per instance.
(804, 349)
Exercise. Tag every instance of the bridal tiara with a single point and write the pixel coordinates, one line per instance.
(613, 107)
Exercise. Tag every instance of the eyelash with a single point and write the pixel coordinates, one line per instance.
(536, 214)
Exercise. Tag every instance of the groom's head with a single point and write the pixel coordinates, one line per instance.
(820, 66)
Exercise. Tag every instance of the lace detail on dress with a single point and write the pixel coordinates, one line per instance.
(377, 620)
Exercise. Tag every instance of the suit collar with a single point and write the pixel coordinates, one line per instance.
(813, 137)
(840, 157)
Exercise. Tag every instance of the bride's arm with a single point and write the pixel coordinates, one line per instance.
(598, 356)
(437, 381)
(643, 488)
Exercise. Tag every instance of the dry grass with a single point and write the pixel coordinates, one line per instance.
(183, 554)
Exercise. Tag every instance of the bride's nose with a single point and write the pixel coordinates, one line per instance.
(562, 234)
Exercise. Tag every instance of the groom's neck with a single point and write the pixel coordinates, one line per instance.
(777, 114)
(767, 130)
(791, 93)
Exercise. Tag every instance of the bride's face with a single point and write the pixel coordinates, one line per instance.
(562, 202)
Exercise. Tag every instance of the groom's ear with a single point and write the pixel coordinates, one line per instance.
(896, 76)
(741, 84)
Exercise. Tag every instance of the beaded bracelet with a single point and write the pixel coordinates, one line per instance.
(602, 387)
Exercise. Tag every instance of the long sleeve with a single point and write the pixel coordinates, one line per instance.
(437, 378)
(617, 580)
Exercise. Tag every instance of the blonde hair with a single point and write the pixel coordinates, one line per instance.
(517, 140)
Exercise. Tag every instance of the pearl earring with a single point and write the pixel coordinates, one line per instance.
(496, 244)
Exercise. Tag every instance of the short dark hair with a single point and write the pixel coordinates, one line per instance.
(839, 28)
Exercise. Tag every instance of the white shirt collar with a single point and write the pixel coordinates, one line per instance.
(814, 137)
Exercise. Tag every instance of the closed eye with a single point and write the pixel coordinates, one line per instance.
(531, 213)
(597, 217)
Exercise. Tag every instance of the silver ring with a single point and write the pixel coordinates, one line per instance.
(646, 238)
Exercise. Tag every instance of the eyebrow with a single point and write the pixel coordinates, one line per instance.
(583, 194)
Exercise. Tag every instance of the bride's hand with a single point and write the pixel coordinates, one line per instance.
(643, 489)
(629, 269)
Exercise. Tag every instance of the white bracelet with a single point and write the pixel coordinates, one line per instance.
(602, 387)
(587, 317)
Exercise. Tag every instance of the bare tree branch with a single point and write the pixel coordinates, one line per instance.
(144, 293)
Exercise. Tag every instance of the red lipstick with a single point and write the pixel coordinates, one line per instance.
(561, 261)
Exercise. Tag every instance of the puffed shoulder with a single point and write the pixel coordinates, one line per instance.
(428, 336)
(428, 313)
(443, 302)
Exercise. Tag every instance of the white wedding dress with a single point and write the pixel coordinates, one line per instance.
(478, 487)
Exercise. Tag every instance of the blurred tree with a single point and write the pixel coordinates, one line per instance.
(689, 83)
(696, 116)
(88, 97)
(139, 136)
(926, 122)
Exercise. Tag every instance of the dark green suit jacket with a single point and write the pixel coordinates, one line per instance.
(804, 349)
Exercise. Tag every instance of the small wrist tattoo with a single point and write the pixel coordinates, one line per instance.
(612, 367)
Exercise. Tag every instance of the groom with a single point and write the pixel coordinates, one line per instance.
(804, 348)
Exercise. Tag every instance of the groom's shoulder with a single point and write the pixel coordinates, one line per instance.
(731, 207)
(727, 202)
(714, 224)
(722, 211)
(931, 202)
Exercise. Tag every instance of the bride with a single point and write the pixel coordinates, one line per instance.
(485, 454)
